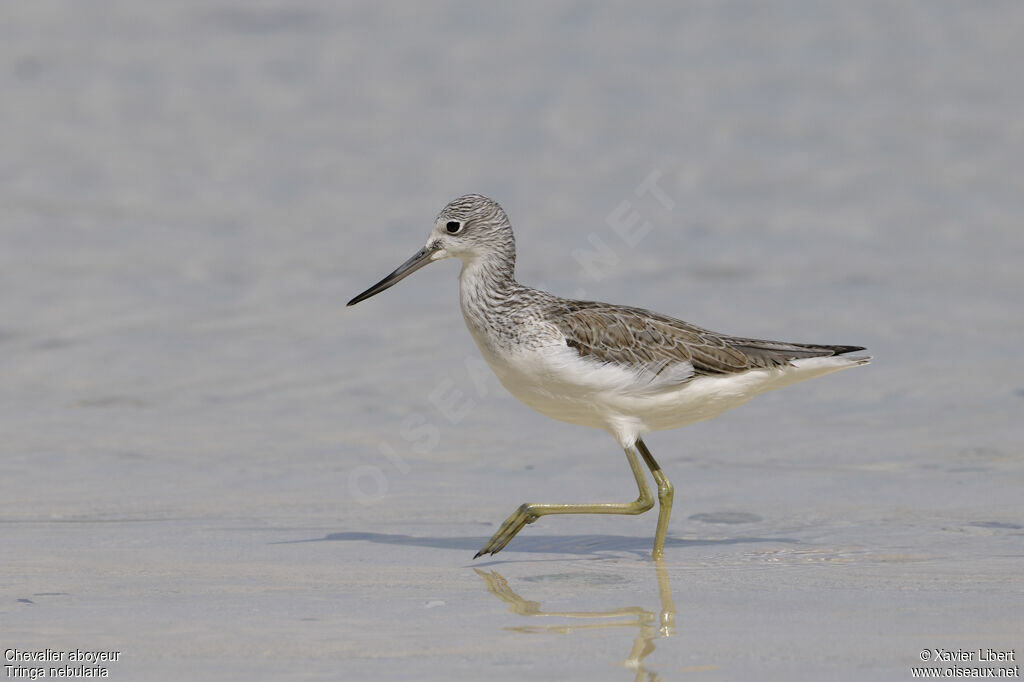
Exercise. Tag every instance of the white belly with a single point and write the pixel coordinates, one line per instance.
(557, 382)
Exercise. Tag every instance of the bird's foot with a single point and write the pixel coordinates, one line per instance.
(513, 524)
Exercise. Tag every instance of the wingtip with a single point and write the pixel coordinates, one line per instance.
(843, 351)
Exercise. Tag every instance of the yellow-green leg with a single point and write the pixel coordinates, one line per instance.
(665, 495)
(528, 513)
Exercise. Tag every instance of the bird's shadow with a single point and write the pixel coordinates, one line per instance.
(543, 544)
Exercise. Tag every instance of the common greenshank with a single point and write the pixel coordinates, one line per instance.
(626, 370)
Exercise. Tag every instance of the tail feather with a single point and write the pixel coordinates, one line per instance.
(779, 352)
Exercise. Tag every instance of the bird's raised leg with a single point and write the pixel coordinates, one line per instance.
(665, 495)
(528, 513)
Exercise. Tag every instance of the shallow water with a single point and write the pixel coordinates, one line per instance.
(212, 466)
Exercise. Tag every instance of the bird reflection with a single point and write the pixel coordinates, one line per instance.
(650, 626)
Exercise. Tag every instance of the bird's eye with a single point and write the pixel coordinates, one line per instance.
(453, 227)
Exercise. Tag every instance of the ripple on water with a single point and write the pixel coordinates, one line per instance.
(733, 517)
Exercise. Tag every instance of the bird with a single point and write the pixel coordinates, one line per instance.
(625, 370)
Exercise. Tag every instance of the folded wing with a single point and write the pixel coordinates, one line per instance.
(665, 350)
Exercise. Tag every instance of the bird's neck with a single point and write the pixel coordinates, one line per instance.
(486, 285)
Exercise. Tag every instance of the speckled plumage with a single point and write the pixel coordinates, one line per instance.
(622, 369)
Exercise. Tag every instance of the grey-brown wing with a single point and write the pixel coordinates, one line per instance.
(644, 340)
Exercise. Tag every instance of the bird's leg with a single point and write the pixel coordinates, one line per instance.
(665, 495)
(528, 513)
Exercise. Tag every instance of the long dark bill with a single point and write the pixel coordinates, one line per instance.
(421, 258)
